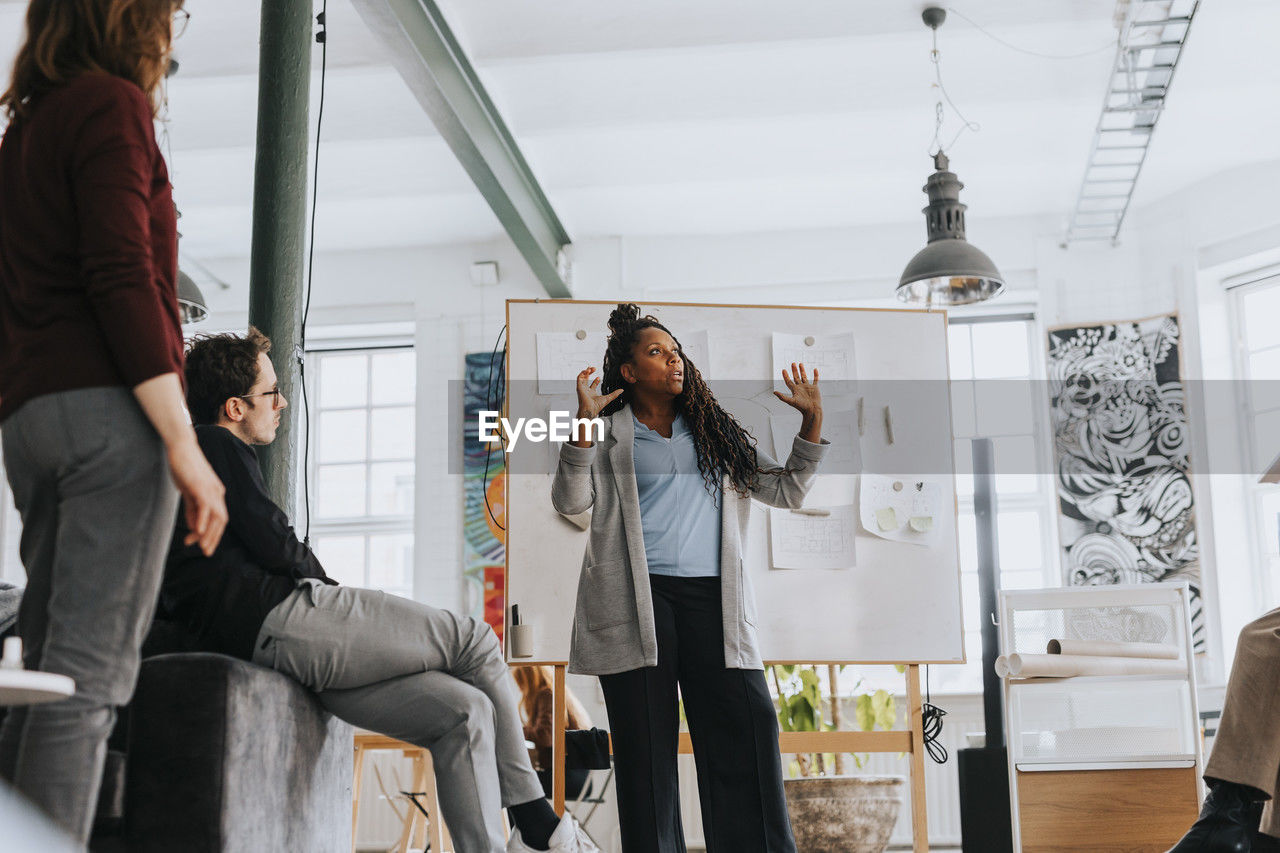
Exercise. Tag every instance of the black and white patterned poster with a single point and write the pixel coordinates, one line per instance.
(1121, 449)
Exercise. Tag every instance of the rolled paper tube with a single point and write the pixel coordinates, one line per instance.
(1160, 651)
(1002, 667)
(1066, 666)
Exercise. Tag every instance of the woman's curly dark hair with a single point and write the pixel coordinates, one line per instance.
(723, 446)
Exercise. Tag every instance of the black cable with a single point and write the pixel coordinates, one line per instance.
(489, 401)
(323, 40)
(931, 717)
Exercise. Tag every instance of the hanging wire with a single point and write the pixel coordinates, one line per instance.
(493, 398)
(322, 37)
(931, 717)
(935, 57)
(1110, 45)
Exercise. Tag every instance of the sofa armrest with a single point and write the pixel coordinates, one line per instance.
(226, 755)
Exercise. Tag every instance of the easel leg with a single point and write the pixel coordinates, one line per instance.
(561, 711)
(358, 768)
(915, 711)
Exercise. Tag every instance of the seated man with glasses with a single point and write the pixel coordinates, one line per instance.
(381, 662)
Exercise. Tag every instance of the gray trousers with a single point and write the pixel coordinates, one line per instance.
(426, 676)
(1247, 748)
(91, 480)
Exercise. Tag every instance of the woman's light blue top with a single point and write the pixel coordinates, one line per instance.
(680, 518)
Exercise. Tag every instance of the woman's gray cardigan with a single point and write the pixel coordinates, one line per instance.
(613, 627)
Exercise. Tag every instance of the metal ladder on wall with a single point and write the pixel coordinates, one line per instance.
(1152, 36)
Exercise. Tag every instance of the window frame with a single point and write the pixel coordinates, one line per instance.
(368, 525)
(1267, 580)
(1042, 501)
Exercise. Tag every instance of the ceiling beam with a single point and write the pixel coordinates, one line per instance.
(437, 71)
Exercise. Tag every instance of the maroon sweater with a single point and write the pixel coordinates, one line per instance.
(88, 245)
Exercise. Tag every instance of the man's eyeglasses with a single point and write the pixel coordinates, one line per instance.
(180, 19)
(274, 394)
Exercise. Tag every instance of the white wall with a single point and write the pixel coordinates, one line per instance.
(1171, 256)
(1167, 260)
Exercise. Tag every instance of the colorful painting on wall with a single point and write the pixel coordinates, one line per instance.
(1122, 456)
(484, 513)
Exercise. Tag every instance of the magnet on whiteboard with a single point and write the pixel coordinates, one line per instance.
(808, 341)
(581, 335)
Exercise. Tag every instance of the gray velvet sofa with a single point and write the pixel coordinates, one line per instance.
(227, 756)
(217, 755)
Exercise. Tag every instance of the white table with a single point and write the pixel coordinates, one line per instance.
(24, 687)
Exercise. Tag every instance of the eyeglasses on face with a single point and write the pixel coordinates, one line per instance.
(180, 19)
(274, 394)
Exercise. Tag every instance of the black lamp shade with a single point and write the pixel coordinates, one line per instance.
(948, 271)
(191, 305)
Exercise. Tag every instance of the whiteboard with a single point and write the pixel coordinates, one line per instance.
(900, 600)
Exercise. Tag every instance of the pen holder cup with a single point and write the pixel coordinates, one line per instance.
(521, 641)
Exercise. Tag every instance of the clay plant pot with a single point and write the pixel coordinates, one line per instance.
(844, 814)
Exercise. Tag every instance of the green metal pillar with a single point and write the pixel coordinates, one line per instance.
(280, 218)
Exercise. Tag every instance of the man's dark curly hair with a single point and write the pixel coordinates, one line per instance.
(723, 446)
(220, 367)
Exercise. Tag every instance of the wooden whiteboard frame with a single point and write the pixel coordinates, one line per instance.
(645, 305)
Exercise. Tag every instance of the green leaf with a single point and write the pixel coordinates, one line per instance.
(885, 709)
(864, 713)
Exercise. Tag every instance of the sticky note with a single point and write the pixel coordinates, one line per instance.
(921, 523)
(887, 519)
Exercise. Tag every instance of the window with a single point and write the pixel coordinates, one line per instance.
(997, 392)
(361, 465)
(11, 570)
(1255, 306)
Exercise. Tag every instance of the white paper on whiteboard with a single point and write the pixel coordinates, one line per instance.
(917, 499)
(840, 428)
(831, 355)
(799, 540)
(562, 356)
(697, 346)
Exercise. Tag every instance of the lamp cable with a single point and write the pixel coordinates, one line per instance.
(322, 38)
(493, 398)
(1110, 45)
(931, 719)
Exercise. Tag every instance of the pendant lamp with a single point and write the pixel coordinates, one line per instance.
(949, 270)
(192, 307)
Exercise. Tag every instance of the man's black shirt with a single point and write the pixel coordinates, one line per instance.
(224, 598)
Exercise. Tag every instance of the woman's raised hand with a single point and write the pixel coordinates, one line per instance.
(590, 401)
(804, 395)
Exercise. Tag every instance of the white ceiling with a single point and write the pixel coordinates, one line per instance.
(712, 116)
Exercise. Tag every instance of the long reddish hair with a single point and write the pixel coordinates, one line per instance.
(537, 680)
(68, 38)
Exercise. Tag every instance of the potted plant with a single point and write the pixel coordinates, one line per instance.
(831, 811)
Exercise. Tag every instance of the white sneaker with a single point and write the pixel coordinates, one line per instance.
(571, 838)
(568, 838)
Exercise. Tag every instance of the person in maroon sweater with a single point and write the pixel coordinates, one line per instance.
(95, 431)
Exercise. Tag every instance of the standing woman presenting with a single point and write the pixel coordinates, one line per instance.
(95, 430)
(663, 600)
